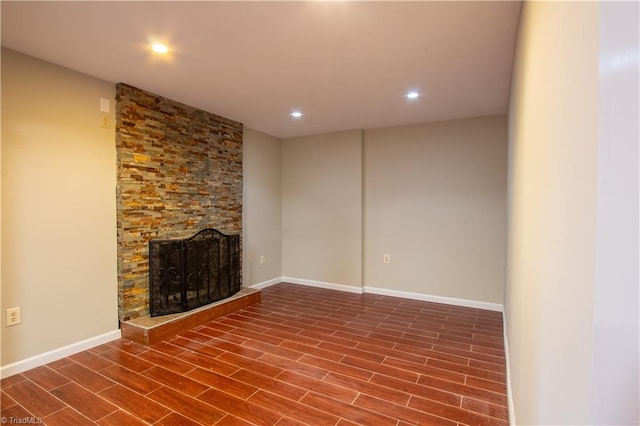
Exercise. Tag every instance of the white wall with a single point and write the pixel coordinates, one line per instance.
(564, 224)
(436, 203)
(58, 208)
(616, 372)
(262, 207)
(322, 208)
(432, 196)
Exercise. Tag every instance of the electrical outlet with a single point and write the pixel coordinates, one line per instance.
(13, 316)
(263, 259)
(386, 258)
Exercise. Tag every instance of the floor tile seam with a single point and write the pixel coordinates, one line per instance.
(178, 412)
(459, 396)
(376, 327)
(77, 412)
(12, 380)
(502, 363)
(216, 326)
(472, 343)
(107, 415)
(487, 353)
(209, 336)
(408, 342)
(333, 331)
(161, 384)
(468, 366)
(462, 395)
(309, 391)
(420, 411)
(329, 325)
(164, 417)
(298, 334)
(440, 330)
(486, 402)
(394, 377)
(242, 327)
(118, 407)
(259, 388)
(278, 394)
(301, 343)
(478, 387)
(239, 345)
(91, 393)
(19, 405)
(347, 354)
(386, 342)
(346, 365)
(391, 356)
(54, 388)
(339, 415)
(490, 339)
(281, 328)
(240, 315)
(48, 392)
(289, 349)
(171, 410)
(420, 373)
(209, 387)
(478, 413)
(236, 417)
(203, 355)
(418, 338)
(272, 346)
(192, 349)
(430, 414)
(460, 408)
(329, 329)
(3, 406)
(372, 384)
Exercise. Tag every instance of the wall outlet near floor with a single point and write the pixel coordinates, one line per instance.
(13, 316)
(386, 258)
(263, 259)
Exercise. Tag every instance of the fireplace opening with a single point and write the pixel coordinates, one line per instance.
(189, 273)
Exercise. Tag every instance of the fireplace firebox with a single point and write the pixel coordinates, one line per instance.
(189, 273)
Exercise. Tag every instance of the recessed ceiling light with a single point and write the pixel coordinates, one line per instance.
(412, 95)
(296, 114)
(159, 48)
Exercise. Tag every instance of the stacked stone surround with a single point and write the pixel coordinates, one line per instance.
(179, 170)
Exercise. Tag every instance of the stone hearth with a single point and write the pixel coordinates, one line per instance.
(149, 330)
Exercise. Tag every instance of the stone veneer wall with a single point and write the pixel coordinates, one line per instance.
(179, 171)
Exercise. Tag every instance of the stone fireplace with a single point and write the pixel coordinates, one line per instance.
(179, 171)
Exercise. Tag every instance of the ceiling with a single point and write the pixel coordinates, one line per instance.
(345, 65)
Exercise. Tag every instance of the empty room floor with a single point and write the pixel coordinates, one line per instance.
(303, 356)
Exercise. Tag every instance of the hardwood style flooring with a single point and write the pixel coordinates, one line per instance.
(303, 356)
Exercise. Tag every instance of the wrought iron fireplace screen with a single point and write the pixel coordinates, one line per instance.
(185, 274)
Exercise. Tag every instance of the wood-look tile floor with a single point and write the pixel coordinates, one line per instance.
(304, 356)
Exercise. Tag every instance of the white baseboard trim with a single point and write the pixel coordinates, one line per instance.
(512, 420)
(321, 284)
(385, 292)
(267, 283)
(56, 354)
(436, 299)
